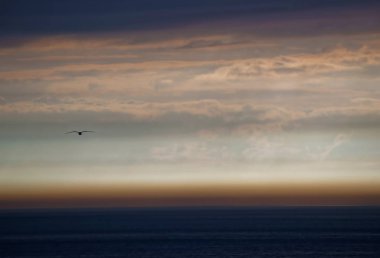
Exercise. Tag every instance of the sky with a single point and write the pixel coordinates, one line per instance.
(193, 103)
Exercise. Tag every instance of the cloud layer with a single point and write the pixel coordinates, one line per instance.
(167, 86)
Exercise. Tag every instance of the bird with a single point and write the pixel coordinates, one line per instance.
(80, 132)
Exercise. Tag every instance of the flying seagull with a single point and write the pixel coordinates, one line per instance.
(80, 132)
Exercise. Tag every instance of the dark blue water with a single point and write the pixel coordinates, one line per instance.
(221, 232)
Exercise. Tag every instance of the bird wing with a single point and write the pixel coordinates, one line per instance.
(72, 132)
(88, 132)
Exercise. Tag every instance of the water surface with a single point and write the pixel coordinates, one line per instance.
(192, 232)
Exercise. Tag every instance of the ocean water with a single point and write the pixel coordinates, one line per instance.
(192, 232)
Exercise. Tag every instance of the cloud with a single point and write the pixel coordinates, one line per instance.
(338, 141)
(21, 89)
(21, 18)
(175, 118)
(332, 61)
(74, 69)
(339, 118)
(164, 83)
(261, 147)
(208, 116)
(191, 151)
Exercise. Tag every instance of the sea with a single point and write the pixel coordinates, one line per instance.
(254, 232)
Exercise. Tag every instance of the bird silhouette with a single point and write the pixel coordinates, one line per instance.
(80, 132)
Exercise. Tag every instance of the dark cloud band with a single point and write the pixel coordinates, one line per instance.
(44, 17)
